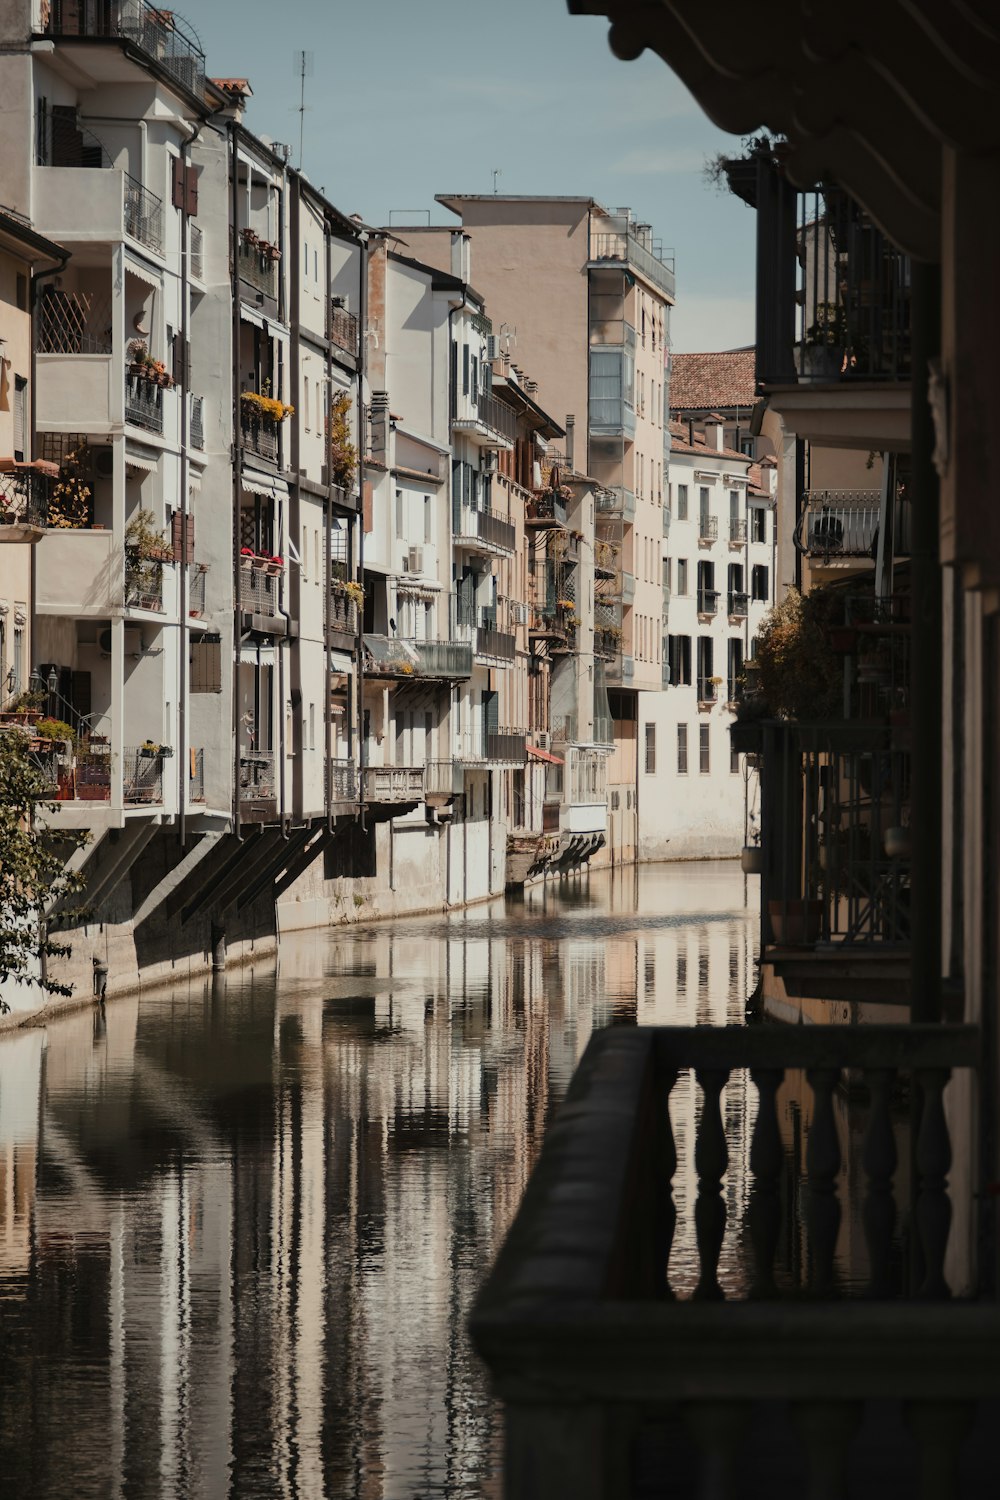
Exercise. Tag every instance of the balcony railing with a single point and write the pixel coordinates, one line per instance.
(495, 644)
(449, 660)
(497, 416)
(708, 601)
(341, 781)
(832, 873)
(598, 1339)
(616, 501)
(342, 329)
(73, 322)
(260, 591)
(614, 239)
(738, 604)
(92, 773)
(708, 528)
(545, 509)
(196, 775)
(142, 775)
(197, 430)
(492, 746)
(838, 523)
(258, 268)
(488, 527)
(143, 402)
(607, 643)
(343, 611)
(143, 215)
(393, 783)
(260, 435)
(443, 778)
(737, 531)
(196, 246)
(143, 584)
(257, 776)
(162, 35)
(197, 578)
(25, 494)
(708, 690)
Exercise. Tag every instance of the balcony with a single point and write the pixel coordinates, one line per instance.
(261, 435)
(343, 618)
(451, 661)
(615, 503)
(666, 521)
(25, 494)
(737, 532)
(258, 783)
(738, 605)
(553, 622)
(143, 401)
(708, 530)
(492, 747)
(484, 531)
(836, 524)
(612, 331)
(644, 1320)
(607, 643)
(494, 424)
(606, 556)
(196, 776)
(258, 264)
(708, 603)
(143, 214)
(162, 35)
(708, 691)
(546, 508)
(614, 239)
(392, 784)
(342, 328)
(612, 417)
(260, 592)
(197, 579)
(444, 779)
(341, 781)
(143, 584)
(142, 775)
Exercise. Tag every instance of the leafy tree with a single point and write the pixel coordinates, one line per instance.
(33, 873)
(799, 676)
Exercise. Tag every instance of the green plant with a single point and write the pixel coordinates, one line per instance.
(261, 404)
(829, 330)
(355, 592)
(54, 729)
(33, 873)
(799, 675)
(343, 453)
(142, 540)
(29, 699)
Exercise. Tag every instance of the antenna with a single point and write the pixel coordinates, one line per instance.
(497, 172)
(304, 67)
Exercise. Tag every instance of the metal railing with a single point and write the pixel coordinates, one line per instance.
(708, 691)
(619, 242)
(446, 659)
(92, 773)
(548, 508)
(392, 783)
(198, 423)
(607, 1184)
(738, 604)
(73, 322)
(196, 775)
(343, 611)
(197, 577)
(443, 778)
(143, 215)
(607, 643)
(260, 435)
(492, 746)
(342, 329)
(163, 35)
(497, 416)
(260, 591)
(495, 644)
(708, 601)
(616, 501)
(488, 527)
(257, 776)
(143, 402)
(838, 523)
(257, 267)
(142, 775)
(708, 528)
(606, 556)
(143, 583)
(25, 495)
(341, 781)
(737, 530)
(196, 249)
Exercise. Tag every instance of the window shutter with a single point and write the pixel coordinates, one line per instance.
(177, 537)
(177, 360)
(191, 191)
(177, 182)
(206, 666)
(465, 369)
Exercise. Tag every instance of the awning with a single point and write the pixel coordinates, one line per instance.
(253, 656)
(546, 755)
(143, 273)
(248, 315)
(262, 484)
(146, 462)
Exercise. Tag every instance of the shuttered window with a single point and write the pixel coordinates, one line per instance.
(206, 665)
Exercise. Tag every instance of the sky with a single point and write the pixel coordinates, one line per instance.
(409, 98)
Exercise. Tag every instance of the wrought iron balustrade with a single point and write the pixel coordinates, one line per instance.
(162, 35)
(261, 435)
(619, 242)
(486, 526)
(446, 659)
(25, 496)
(708, 601)
(341, 781)
(343, 611)
(492, 746)
(584, 1298)
(737, 530)
(196, 775)
(257, 776)
(142, 775)
(197, 429)
(708, 528)
(342, 329)
(143, 215)
(496, 644)
(393, 783)
(838, 523)
(143, 401)
(708, 690)
(260, 591)
(546, 509)
(258, 266)
(143, 583)
(196, 249)
(738, 604)
(497, 416)
(197, 581)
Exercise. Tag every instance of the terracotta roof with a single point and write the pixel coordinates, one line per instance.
(233, 85)
(701, 382)
(679, 443)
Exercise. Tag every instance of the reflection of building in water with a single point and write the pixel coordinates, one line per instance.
(21, 1064)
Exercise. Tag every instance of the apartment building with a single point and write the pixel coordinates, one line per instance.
(699, 795)
(585, 297)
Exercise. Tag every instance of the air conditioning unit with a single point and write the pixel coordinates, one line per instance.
(415, 560)
(491, 346)
(518, 612)
(544, 739)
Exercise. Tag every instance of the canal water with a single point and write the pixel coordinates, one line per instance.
(242, 1221)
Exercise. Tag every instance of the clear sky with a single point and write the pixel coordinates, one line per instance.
(408, 98)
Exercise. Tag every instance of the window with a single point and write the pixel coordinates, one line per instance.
(17, 664)
(682, 576)
(427, 518)
(206, 666)
(704, 749)
(758, 524)
(650, 749)
(759, 582)
(734, 760)
(679, 660)
(682, 505)
(682, 749)
(706, 669)
(20, 417)
(705, 517)
(666, 572)
(734, 667)
(399, 513)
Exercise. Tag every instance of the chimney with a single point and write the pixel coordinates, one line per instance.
(461, 256)
(715, 432)
(570, 434)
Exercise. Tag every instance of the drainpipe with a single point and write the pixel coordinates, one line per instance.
(359, 660)
(33, 300)
(283, 654)
(327, 549)
(294, 505)
(183, 760)
(237, 462)
(926, 680)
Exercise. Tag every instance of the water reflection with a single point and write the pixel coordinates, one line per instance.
(241, 1224)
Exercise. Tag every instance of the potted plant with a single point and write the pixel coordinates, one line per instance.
(247, 555)
(259, 561)
(355, 593)
(796, 922)
(821, 354)
(275, 565)
(343, 453)
(752, 855)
